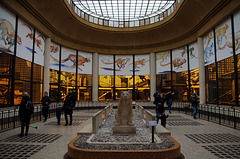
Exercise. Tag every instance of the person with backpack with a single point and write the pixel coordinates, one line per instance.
(25, 111)
(194, 100)
(68, 106)
(45, 105)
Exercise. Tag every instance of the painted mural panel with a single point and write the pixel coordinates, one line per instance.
(68, 60)
(106, 66)
(163, 63)
(25, 32)
(142, 64)
(7, 31)
(237, 31)
(208, 43)
(193, 56)
(39, 48)
(223, 35)
(84, 63)
(54, 56)
(179, 59)
(123, 65)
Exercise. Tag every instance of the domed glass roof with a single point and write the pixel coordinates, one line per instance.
(117, 12)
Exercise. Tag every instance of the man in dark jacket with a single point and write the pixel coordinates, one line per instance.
(45, 105)
(68, 106)
(194, 100)
(25, 116)
(159, 100)
(169, 101)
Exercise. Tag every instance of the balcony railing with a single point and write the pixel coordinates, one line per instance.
(123, 24)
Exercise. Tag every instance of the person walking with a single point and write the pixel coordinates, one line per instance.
(169, 99)
(194, 100)
(68, 106)
(25, 113)
(45, 105)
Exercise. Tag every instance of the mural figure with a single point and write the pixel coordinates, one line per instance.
(220, 34)
(164, 57)
(208, 52)
(121, 63)
(37, 41)
(54, 49)
(139, 62)
(73, 58)
(208, 38)
(8, 33)
(184, 51)
(178, 62)
(191, 52)
(237, 42)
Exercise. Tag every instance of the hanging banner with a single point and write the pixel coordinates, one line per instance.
(106, 64)
(123, 65)
(141, 64)
(84, 63)
(7, 31)
(54, 56)
(237, 31)
(163, 63)
(68, 60)
(179, 59)
(25, 49)
(39, 49)
(208, 42)
(193, 56)
(223, 35)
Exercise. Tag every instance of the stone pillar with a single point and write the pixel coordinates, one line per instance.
(95, 77)
(46, 65)
(152, 75)
(201, 63)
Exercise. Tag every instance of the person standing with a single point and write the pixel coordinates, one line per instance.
(194, 100)
(24, 113)
(58, 114)
(170, 98)
(45, 105)
(160, 106)
(68, 106)
(163, 119)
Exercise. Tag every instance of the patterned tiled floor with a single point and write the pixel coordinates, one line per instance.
(213, 138)
(176, 120)
(19, 151)
(33, 138)
(77, 120)
(224, 151)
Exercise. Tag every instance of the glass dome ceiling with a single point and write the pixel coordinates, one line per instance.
(123, 10)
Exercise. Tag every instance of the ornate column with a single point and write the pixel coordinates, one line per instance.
(202, 82)
(46, 65)
(152, 75)
(95, 77)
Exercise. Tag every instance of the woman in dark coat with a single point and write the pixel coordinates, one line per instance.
(160, 106)
(24, 115)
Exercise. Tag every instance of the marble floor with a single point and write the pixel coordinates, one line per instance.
(199, 139)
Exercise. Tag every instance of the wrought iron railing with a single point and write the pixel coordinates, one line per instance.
(123, 24)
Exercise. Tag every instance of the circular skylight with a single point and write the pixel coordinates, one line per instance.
(123, 10)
